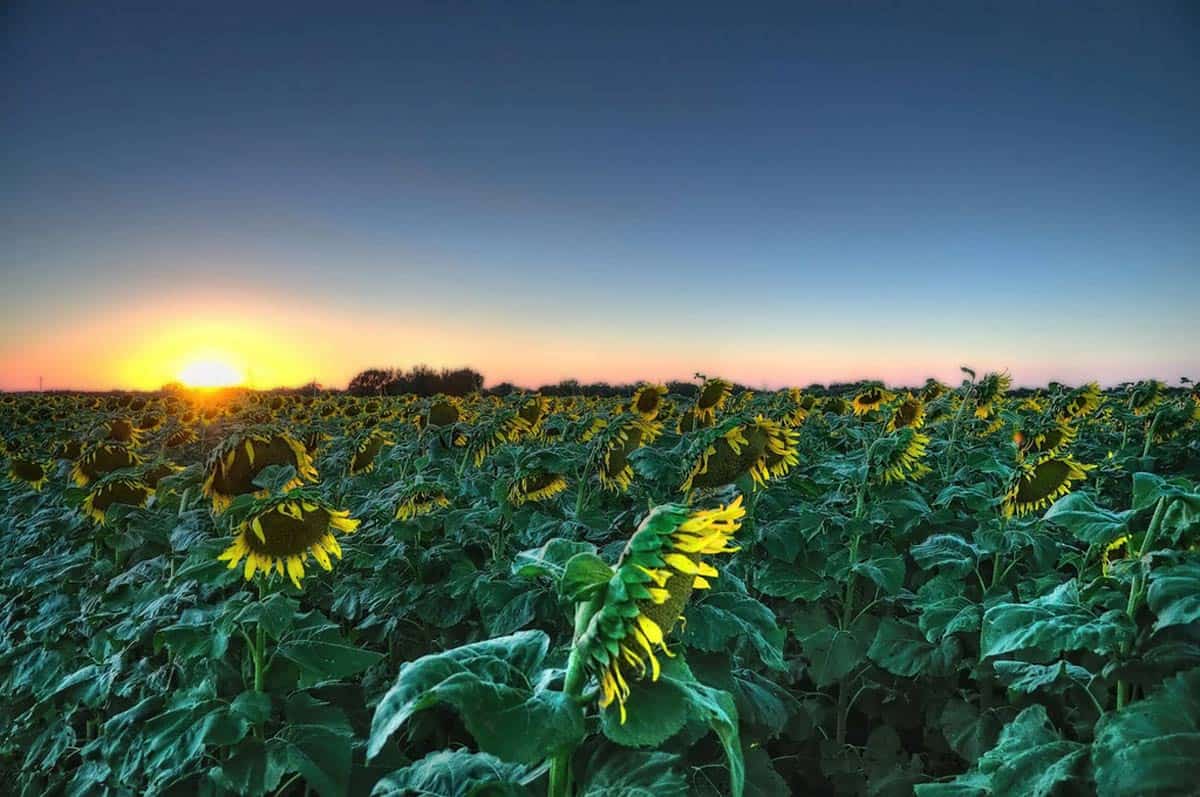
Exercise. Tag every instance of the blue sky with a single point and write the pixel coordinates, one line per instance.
(781, 193)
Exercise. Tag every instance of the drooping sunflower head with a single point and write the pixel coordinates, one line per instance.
(647, 400)
(899, 456)
(150, 421)
(688, 421)
(421, 499)
(1117, 549)
(153, 473)
(1145, 396)
(444, 411)
(712, 397)
(240, 458)
(834, 405)
(1036, 485)
(282, 532)
(496, 429)
(69, 450)
(663, 563)
(615, 442)
(1080, 402)
(101, 459)
(1040, 437)
(367, 451)
(870, 398)
(535, 485)
(533, 412)
(116, 489)
(989, 393)
(762, 449)
(120, 430)
(932, 390)
(909, 413)
(795, 407)
(28, 470)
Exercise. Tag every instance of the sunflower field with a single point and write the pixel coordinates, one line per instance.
(947, 591)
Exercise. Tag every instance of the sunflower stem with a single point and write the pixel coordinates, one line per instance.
(1150, 434)
(573, 683)
(1135, 588)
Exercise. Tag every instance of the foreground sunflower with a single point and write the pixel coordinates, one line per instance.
(115, 490)
(659, 569)
(898, 456)
(1040, 439)
(539, 485)
(762, 449)
(1035, 486)
(282, 532)
(236, 463)
(24, 469)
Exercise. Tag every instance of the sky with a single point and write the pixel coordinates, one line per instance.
(780, 194)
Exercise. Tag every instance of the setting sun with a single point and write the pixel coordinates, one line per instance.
(209, 372)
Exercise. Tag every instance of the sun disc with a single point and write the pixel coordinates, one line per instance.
(209, 372)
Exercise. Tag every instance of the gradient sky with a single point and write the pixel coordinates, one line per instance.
(780, 194)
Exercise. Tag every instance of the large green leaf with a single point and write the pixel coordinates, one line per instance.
(1078, 514)
(1174, 594)
(727, 616)
(1151, 746)
(900, 648)
(496, 687)
(327, 659)
(947, 552)
(613, 771)
(1052, 624)
(454, 773)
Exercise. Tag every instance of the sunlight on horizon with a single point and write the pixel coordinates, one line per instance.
(210, 371)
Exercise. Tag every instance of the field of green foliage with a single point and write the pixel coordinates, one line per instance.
(957, 590)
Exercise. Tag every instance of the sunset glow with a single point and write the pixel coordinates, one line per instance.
(210, 372)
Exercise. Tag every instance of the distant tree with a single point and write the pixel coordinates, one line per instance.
(370, 382)
(503, 389)
(683, 388)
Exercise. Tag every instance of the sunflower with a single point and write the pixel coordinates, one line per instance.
(796, 407)
(932, 390)
(68, 449)
(644, 599)
(713, 395)
(121, 430)
(618, 441)
(421, 501)
(444, 411)
(505, 426)
(538, 485)
(647, 400)
(897, 457)
(834, 405)
(283, 531)
(24, 469)
(533, 412)
(870, 398)
(990, 392)
(149, 422)
(234, 465)
(1120, 545)
(181, 437)
(1038, 441)
(115, 490)
(689, 422)
(101, 459)
(1145, 396)
(909, 413)
(1079, 402)
(762, 448)
(1036, 485)
(368, 449)
(152, 474)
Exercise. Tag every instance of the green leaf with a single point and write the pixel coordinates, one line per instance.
(949, 552)
(1078, 514)
(549, 560)
(900, 648)
(801, 581)
(833, 653)
(1029, 759)
(1052, 624)
(495, 687)
(321, 754)
(887, 572)
(613, 771)
(454, 773)
(1151, 746)
(1021, 676)
(1174, 595)
(726, 616)
(583, 577)
(254, 706)
(254, 767)
(328, 659)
